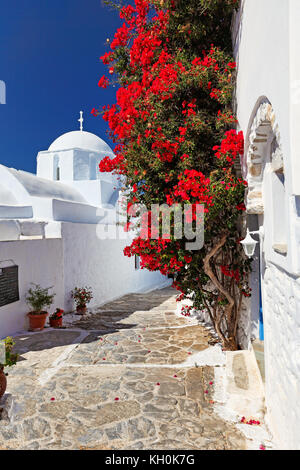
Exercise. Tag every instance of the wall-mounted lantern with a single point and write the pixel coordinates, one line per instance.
(249, 244)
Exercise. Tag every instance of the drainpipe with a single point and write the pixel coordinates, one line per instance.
(261, 318)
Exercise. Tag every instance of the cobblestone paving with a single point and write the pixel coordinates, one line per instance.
(123, 378)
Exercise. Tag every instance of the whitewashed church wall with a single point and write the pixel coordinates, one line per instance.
(48, 161)
(80, 259)
(282, 355)
(45, 165)
(90, 190)
(39, 261)
(100, 264)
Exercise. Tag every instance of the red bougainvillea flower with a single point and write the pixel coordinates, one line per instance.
(103, 358)
(210, 383)
(232, 65)
(116, 399)
(107, 57)
(175, 376)
(251, 422)
(94, 112)
(127, 226)
(241, 207)
(173, 105)
(121, 37)
(206, 391)
(262, 447)
(103, 82)
(157, 383)
(52, 399)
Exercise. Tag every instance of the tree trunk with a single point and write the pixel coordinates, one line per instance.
(229, 343)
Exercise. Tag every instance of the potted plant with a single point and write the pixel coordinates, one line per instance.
(8, 360)
(38, 298)
(55, 319)
(82, 296)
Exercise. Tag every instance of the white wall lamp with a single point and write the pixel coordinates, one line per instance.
(249, 244)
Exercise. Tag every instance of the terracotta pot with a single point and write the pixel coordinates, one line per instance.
(81, 310)
(55, 322)
(3, 382)
(37, 321)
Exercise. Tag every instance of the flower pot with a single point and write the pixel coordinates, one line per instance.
(81, 310)
(55, 322)
(37, 320)
(3, 382)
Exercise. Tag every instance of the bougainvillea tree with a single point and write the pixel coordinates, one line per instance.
(176, 143)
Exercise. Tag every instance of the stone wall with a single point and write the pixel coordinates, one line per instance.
(282, 354)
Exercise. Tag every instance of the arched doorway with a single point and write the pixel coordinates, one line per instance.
(266, 208)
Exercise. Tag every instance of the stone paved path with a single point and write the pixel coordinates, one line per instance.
(127, 377)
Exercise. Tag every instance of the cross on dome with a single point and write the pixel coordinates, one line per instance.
(81, 120)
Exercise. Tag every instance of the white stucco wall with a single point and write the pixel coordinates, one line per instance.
(39, 261)
(263, 62)
(79, 258)
(266, 48)
(267, 55)
(101, 265)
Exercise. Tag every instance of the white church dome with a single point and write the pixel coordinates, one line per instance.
(82, 140)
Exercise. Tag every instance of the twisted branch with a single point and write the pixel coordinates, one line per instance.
(209, 272)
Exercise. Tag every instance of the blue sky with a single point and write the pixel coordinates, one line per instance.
(49, 60)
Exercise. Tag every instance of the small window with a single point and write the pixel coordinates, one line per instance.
(56, 169)
(137, 262)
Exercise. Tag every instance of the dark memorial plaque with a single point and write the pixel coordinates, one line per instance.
(9, 285)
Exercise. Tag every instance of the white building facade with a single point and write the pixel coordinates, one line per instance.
(266, 36)
(60, 229)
